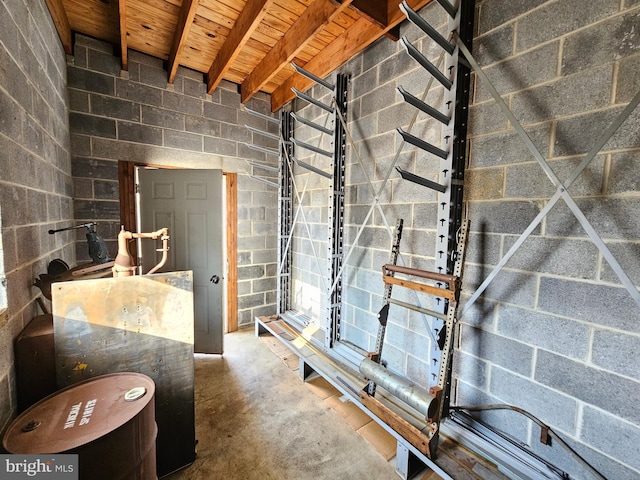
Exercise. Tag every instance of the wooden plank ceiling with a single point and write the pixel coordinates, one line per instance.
(249, 42)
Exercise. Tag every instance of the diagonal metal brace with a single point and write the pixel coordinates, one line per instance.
(561, 191)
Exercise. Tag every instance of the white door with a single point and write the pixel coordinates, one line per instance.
(190, 204)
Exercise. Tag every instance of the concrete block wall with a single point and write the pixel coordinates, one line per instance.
(3, 278)
(555, 332)
(136, 116)
(257, 247)
(557, 321)
(35, 171)
(376, 196)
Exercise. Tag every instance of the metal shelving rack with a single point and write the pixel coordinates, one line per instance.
(455, 78)
(285, 188)
(336, 177)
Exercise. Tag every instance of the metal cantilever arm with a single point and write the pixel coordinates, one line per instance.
(421, 180)
(264, 166)
(422, 106)
(313, 148)
(258, 148)
(311, 100)
(422, 60)
(264, 180)
(312, 77)
(419, 22)
(313, 169)
(418, 142)
(262, 115)
(311, 124)
(257, 131)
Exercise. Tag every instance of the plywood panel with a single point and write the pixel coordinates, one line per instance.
(216, 13)
(151, 29)
(94, 18)
(161, 8)
(293, 6)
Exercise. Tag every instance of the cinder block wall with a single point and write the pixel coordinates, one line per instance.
(3, 278)
(556, 332)
(376, 197)
(136, 116)
(35, 170)
(311, 208)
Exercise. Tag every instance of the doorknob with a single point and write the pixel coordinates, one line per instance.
(214, 279)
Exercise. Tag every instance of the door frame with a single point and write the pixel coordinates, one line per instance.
(126, 180)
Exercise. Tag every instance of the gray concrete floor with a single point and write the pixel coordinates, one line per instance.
(255, 419)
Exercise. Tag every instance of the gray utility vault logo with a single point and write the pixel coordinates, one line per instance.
(46, 466)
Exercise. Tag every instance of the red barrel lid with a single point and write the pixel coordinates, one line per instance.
(79, 414)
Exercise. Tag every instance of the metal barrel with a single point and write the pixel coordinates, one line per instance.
(410, 393)
(109, 421)
(34, 353)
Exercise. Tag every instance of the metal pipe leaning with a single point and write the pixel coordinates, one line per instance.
(410, 393)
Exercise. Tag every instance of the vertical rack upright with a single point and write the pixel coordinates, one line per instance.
(456, 81)
(285, 213)
(336, 213)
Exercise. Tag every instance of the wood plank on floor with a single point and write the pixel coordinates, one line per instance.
(457, 461)
(353, 416)
(321, 387)
(383, 442)
(290, 359)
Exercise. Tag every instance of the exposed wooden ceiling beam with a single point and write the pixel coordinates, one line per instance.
(361, 34)
(378, 11)
(60, 20)
(247, 22)
(185, 20)
(375, 10)
(355, 39)
(124, 47)
(312, 20)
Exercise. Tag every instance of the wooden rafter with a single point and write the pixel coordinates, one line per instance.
(253, 41)
(375, 11)
(247, 22)
(185, 20)
(122, 14)
(325, 62)
(60, 20)
(312, 20)
(355, 39)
